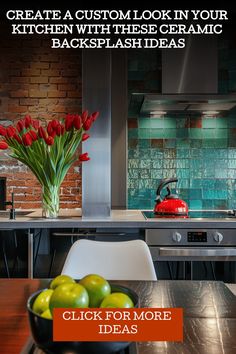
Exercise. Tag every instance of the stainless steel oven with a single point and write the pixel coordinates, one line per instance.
(192, 244)
(195, 253)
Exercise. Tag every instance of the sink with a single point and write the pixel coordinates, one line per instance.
(6, 213)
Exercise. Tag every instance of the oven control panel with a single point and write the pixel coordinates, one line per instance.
(191, 237)
(197, 236)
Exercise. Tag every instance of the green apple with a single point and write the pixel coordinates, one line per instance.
(119, 300)
(47, 314)
(61, 279)
(97, 287)
(41, 303)
(69, 295)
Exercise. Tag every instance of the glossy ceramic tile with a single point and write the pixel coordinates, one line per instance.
(199, 150)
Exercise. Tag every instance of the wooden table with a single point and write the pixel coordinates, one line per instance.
(209, 314)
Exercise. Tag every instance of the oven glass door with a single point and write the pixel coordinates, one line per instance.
(195, 263)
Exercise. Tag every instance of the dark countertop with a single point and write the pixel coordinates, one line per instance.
(209, 314)
(118, 219)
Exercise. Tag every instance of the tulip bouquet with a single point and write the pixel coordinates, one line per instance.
(48, 150)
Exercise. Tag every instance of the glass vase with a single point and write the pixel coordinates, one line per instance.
(50, 201)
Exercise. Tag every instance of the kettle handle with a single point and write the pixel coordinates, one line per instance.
(162, 184)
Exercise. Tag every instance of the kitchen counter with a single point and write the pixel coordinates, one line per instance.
(121, 221)
(118, 219)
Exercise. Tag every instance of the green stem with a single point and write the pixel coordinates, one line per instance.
(50, 200)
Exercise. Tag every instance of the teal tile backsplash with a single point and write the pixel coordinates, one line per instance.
(199, 150)
(200, 157)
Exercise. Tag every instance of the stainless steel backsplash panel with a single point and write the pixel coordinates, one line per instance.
(96, 175)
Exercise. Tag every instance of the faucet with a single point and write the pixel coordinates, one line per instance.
(12, 215)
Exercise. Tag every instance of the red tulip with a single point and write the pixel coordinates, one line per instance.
(51, 131)
(87, 124)
(17, 138)
(3, 145)
(10, 131)
(27, 140)
(54, 123)
(35, 124)
(77, 122)
(33, 135)
(53, 134)
(49, 128)
(49, 140)
(69, 122)
(28, 121)
(41, 133)
(94, 116)
(84, 116)
(3, 131)
(84, 157)
(85, 136)
(58, 130)
(20, 125)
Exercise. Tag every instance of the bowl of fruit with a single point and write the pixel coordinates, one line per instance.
(64, 292)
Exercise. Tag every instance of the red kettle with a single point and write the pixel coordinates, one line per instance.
(171, 205)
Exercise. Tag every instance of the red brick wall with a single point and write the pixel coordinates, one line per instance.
(45, 83)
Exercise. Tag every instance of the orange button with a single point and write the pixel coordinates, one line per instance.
(136, 324)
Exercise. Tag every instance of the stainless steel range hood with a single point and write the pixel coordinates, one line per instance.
(183, 103)
(189, 81)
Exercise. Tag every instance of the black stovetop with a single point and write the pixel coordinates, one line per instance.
(195, 214)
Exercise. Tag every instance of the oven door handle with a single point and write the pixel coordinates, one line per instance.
(196, 252)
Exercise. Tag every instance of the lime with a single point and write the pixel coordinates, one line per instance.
(69, 295)
(97, 287)
(47, 314)
(119, 300)
(61, 279)
(41, 303)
